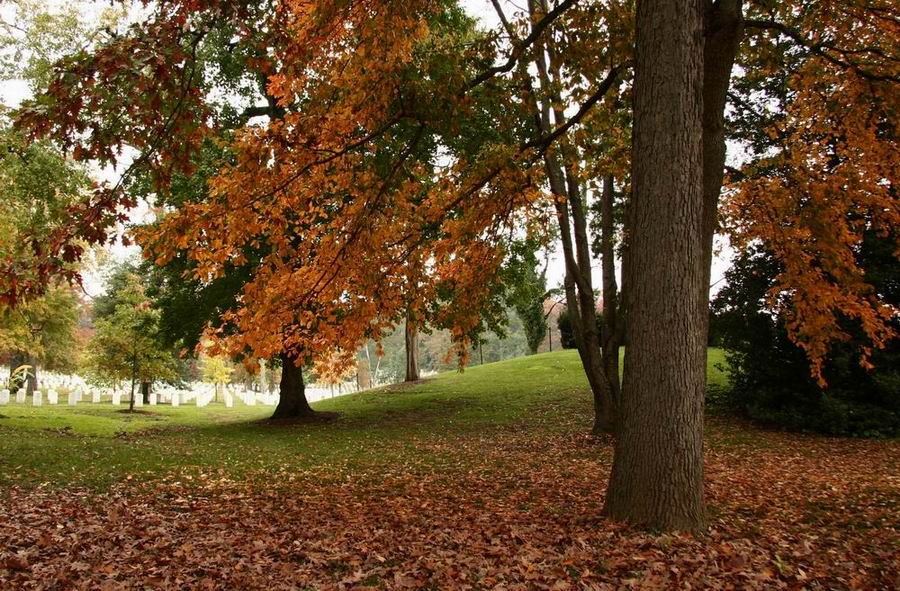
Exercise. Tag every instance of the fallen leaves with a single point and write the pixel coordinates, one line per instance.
(505, 511)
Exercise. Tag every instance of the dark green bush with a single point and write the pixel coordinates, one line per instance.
(770, 376)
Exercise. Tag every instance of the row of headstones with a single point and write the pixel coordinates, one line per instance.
(37, 398)
(172, 396)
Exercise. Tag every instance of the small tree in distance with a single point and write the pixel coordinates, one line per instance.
(216, 371)
(126, 344)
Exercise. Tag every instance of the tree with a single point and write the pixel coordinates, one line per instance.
(527, 289)
(561, 165)
(216, 371)
(127, 344)
(657, 474)
(41, 333)
(822, 167)
(38, 186)
(332, 264)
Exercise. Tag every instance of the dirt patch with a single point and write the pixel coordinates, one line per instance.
(144, 413)
(315, 418)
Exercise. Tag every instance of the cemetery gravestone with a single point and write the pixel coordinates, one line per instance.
(4, 397)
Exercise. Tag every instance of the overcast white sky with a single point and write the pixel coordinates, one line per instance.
(12, 92)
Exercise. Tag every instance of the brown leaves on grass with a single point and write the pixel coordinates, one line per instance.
(512, 511)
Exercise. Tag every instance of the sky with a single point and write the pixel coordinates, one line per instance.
(12, 92)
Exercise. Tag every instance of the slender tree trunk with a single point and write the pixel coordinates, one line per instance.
(723, 30)
(292, 402)
(580, 297)
(145, 392)
(133, 382)
(412, 348)
(612, 331)
(32, 382)
(657, 474)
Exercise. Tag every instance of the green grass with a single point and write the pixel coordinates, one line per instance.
(96, 445)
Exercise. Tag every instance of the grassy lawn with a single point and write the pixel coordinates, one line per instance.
(484, 479)
(95, 445)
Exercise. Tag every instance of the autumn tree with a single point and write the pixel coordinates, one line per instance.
(40, 333)
(216, 371)
(817, 109)
(365, 163)
(38, 186)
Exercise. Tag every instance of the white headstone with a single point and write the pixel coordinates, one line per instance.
(229, 399)
(175, 397)
(37, 398)
(95, 397)
(116, 398)
(20, 395)
(152, 398)
(52, 396)
(250, 398)
(138, 399)
(202, 400)
(73, 398)
(4, 396)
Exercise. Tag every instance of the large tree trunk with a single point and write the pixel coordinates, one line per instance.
(145, 392)
(412, 348)
(292, 402)
(657, 474)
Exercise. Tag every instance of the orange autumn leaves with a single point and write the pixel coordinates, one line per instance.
(830, 179)
(340, 194)
(353, 208)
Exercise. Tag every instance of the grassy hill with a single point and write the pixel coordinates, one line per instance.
(97, 444)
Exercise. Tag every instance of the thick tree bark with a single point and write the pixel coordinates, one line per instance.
(145, 392)
(411, 331)
(657, 474)
(292, 402)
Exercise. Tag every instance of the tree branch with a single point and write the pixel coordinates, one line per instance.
(821, 49)
(519, 48)
(546, 140)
